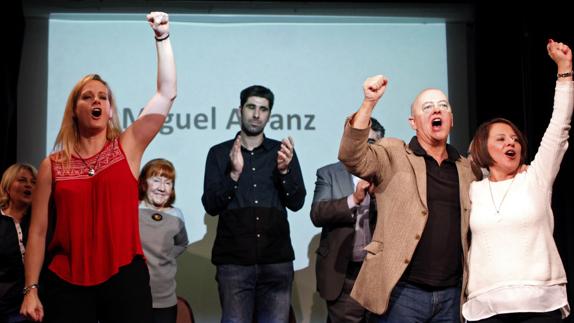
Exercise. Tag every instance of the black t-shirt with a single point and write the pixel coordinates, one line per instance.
(437, 260)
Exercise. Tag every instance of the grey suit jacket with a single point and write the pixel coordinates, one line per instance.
(401, 193)
(331, 212)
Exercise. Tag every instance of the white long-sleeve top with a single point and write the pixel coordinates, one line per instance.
(514, 265)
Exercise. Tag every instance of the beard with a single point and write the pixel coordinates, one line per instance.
(250, 130)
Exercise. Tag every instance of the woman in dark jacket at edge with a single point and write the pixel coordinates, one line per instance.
(15, 198)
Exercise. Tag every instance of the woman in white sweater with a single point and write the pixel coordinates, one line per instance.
(515, 271)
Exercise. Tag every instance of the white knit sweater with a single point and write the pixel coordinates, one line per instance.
(514, 265)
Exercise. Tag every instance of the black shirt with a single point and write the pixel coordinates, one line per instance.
(11, 265)
(252, 226)
(437, 261)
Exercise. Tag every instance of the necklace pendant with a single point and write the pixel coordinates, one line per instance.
(91, 172)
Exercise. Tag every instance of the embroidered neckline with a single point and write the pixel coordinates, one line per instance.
(91, 169)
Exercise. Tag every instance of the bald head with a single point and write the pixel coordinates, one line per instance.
(427, 95)
(431, 117)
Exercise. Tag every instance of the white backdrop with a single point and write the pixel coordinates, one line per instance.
(315, 67)
(316, 71)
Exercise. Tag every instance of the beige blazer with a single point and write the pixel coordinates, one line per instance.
(401, 193)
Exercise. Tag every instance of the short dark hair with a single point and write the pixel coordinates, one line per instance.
(259, 91)
(377, 127)
(479, 146)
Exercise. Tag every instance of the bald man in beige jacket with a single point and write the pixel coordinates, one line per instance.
(416, 264)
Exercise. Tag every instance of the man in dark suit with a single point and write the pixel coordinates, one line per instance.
(342, 208)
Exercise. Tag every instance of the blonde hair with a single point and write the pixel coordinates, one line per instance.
(9, 177)
(68, 135)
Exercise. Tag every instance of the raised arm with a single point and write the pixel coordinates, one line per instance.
(561, 54)
(546, 163)
(373, 88)
(36, 244)
(354, 151)
(140, 133)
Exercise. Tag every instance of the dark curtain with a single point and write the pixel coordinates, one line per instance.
(516, 80)
(12, 48)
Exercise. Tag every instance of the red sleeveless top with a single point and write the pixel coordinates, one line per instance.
(96, 228)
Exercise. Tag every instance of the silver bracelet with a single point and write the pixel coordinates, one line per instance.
(27, 289)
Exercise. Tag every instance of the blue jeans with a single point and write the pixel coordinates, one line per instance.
(410, 303)
(256, 291)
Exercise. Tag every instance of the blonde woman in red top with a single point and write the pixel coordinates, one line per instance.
(95, 266)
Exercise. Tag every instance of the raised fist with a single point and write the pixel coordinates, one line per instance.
(159, 22)
(374, 87)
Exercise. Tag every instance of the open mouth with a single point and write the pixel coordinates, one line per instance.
(436, 123)
(28, 193)
(96, 112)
(510, 153)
